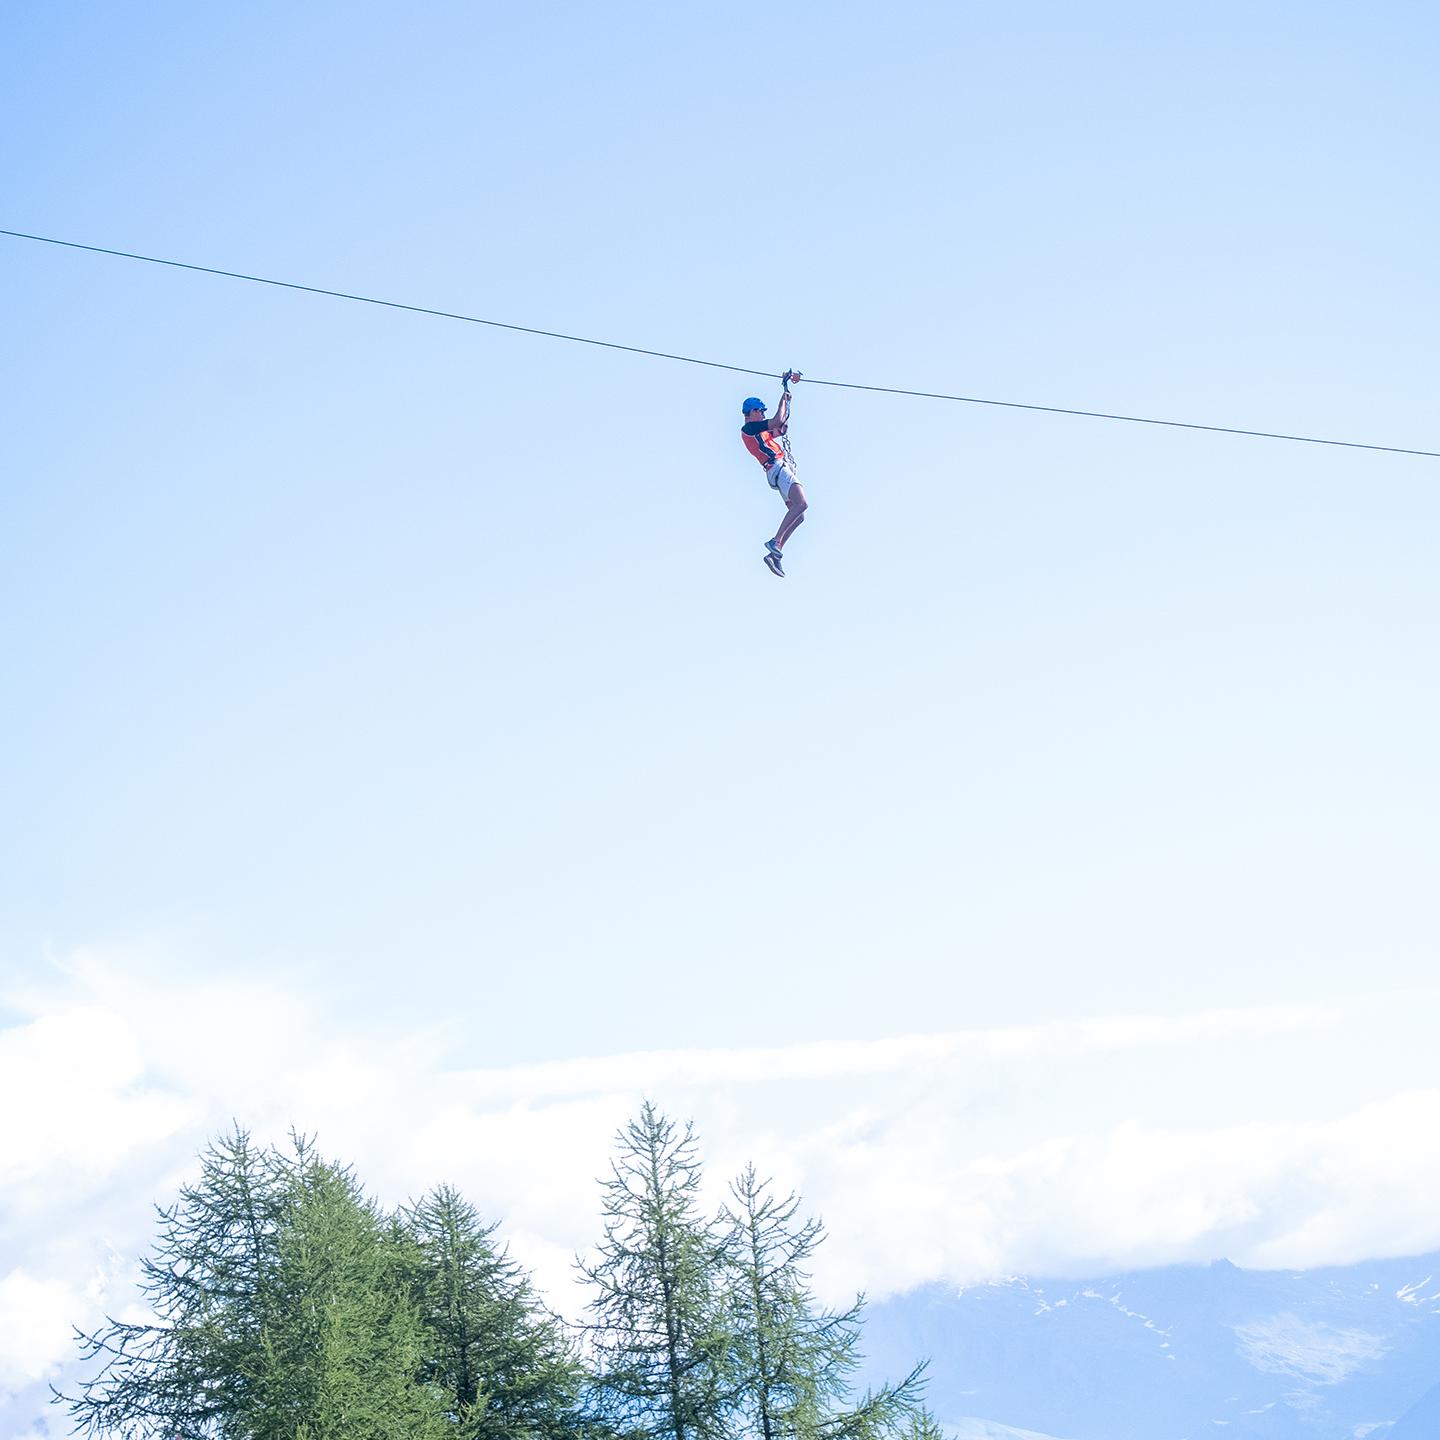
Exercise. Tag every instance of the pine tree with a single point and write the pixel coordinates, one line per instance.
(502, 1361)
(796, 1359)
(659, 1336)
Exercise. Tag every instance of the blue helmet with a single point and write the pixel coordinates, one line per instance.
(753, 403)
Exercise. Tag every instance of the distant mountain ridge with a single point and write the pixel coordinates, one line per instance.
(1420, 1422)
(1178, 1353)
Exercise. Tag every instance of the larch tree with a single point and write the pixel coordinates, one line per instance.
(197, 1369)
(796, 1359)
(279, 1313)
(344, 1346)
(921, 1425)
(659, 1335)
(502, 1361)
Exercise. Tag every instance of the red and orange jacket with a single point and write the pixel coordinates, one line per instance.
(763, 442)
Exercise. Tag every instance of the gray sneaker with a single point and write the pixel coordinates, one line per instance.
(772, 563)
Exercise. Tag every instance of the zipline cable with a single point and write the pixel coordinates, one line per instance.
(388, 304)
(716, 364)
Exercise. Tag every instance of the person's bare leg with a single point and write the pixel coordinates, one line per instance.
(795, 508)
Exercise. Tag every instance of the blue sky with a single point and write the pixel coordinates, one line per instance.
(420, 672)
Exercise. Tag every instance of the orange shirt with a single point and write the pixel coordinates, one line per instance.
(763, 442)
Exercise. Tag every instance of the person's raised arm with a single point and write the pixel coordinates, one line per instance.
(782, 410)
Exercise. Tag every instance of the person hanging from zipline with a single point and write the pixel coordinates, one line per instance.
(765, 440)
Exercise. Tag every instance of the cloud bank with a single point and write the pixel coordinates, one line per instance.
(1284, 1136)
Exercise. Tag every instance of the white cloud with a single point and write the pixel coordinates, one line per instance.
(820, 1061)
(1129, 1195)
(35, 1320)
(96, 1102)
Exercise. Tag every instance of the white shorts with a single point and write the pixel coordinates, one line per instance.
(781, 478)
